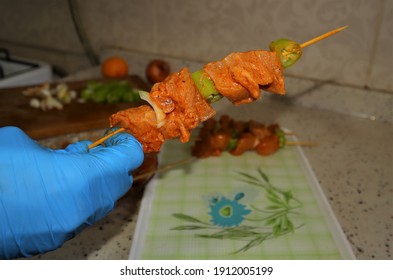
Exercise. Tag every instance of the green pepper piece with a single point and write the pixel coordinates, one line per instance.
(281, 137)
(206, 86)
(288, 51)
(99, 95)
(86, 93)
(114, 94)
(233, 141)
(131, 95)
(118, 91)
(110, 92)
(126, 92)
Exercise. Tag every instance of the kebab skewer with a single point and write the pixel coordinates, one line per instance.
(182, 101)
(238, 137)
(227, 135)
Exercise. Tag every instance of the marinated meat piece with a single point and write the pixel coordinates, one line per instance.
(142, 124)
(236, 137)
(174, 127)
(268, 145)
(239, 76)
(247, 141)
(204, 145)
(273, 128)
(225, 122)
(221, 139)
(221, 75)
(259, 129)
(209, 126)
(179, 98)
(239, 126)
(184, 108)
(250, 71)
(205, 148)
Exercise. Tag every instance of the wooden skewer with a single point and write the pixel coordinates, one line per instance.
(102, 140)
(185, 161)
(289, 143)
(321, 37)
(303, 45)
(164, 168)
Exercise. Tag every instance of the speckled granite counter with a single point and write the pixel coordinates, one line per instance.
(353, 163)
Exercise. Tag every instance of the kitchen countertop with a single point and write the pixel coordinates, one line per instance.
(353, 164)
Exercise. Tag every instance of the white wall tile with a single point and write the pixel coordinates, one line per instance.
(38, 23)
(124, 23)
(207, 30)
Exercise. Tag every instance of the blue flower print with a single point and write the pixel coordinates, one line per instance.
(227, 213)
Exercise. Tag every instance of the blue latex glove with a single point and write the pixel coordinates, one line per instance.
(48, 196)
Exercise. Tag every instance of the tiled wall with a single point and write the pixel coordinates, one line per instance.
(205, 30)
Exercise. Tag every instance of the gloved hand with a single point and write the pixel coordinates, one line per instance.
(48, 196)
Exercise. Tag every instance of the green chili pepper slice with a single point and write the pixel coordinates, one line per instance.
(288, 51)
(281, 137)
(206, 86)
(233, 141)
(110, 92)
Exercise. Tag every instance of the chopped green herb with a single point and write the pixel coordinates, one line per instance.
(110, 92)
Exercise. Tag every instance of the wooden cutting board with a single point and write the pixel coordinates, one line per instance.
(73, 118)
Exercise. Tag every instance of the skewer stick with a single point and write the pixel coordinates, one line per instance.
(164, 168)
(321, 37)
(303, 45)
(102, 140)
(187, 160)
(289, 143)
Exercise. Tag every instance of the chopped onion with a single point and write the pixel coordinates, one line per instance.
(35, 103)
(160, 115)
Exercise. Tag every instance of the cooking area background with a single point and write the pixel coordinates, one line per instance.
(349, 74)
(205, 31)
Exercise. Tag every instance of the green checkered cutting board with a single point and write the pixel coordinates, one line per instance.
(227, 207)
